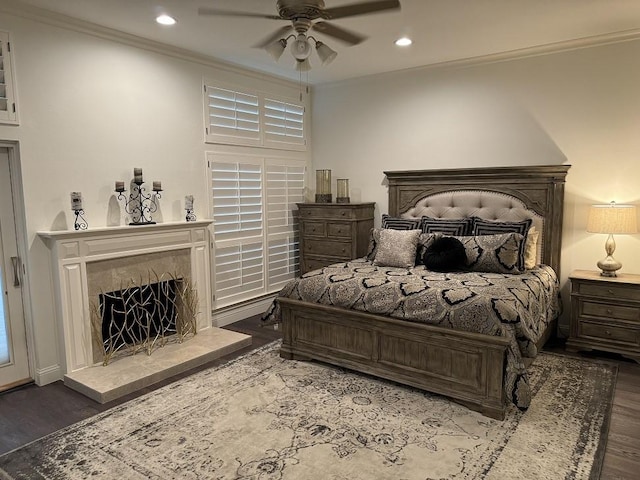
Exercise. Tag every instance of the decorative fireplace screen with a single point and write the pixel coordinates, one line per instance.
(144, 315)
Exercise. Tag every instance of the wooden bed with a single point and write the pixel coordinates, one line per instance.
(468, 367)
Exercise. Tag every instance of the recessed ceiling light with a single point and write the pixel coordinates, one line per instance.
(403, 42)
(165, 20)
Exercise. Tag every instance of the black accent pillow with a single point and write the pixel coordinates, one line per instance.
(445, 254)
(481, 226)
(448, 226)
(395, 223)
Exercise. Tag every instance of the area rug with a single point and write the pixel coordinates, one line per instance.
(264, 418)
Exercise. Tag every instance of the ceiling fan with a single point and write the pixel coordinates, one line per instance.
(301, 14)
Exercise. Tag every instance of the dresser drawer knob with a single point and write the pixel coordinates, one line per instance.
(609, 311)
(608, 332)
(610, 292)
(343, 213)
(313, 229)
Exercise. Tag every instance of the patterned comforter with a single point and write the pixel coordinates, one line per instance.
(518, 307)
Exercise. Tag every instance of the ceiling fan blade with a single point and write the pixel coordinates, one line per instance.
(360, 9)
(277, 35)
(340, 33)
(215, 11)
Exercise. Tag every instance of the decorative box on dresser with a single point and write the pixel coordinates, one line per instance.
(333, 232)
(605, 313)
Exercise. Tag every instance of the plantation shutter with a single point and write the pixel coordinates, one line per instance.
(284, 188)
(283, 123)
(236, 188)
(8, 112)
(233, 117)
(251, 118)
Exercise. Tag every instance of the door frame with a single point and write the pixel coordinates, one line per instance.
(17, 193)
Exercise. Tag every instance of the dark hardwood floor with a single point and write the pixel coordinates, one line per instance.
(31, 412)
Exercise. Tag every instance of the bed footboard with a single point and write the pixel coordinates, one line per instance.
(468, 367)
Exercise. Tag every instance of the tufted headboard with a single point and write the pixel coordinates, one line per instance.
(494, 193)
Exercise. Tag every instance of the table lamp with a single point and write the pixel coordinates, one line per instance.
(611, 219)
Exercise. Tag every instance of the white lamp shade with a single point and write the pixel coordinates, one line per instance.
(613, 218)
(276, 49)
(326, 54)
(300, 48)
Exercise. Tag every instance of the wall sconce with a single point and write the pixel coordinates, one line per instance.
(612, 219)
(323, 186)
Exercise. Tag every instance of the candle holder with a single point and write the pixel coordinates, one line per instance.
(188, 206)
(343, 190)
(323, 186)
(80, 223)
(139, 204)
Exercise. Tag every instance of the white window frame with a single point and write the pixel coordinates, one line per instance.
(278, 234)
(292, 130)
(8, 101)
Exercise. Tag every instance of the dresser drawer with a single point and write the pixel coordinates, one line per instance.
(329, 213)
(341, 230)
(316, 263)
(340, 250)
(314, 228)
(628, 336)
(609, 310)
(617, 292)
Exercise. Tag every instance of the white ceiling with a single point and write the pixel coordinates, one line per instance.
(442, 30)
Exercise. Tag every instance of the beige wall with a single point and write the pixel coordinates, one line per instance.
(578, 107)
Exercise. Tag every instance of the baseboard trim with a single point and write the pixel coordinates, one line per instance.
(47, 375)
(220, 318)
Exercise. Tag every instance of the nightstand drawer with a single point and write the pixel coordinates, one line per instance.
(607, 310)
(342, 230)
(340, 250)
(314, 228)
(618, 292)
(628, 336)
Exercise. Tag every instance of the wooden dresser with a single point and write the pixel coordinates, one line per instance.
(333, 232)
(605, 313)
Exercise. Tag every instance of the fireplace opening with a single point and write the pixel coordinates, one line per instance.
(144, 316)
(135, 314)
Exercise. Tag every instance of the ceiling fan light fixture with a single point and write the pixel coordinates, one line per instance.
(300, 48)
(165, 19)
(276, 49)
(303, 65)
(326, 54)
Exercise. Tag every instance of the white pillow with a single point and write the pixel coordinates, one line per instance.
(531, 248)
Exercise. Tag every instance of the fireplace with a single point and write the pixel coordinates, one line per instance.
(90, 263)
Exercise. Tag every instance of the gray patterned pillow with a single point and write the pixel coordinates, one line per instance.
(425, 240)
(502, 253)
(397, 248)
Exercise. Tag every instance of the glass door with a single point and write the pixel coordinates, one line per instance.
(14, 364)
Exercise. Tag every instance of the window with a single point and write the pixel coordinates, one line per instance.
(252, 118)
(255, 240)
(8, 112)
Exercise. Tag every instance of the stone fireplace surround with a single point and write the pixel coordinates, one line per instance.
(85, 261)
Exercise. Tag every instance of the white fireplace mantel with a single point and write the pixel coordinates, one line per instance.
(71, 250)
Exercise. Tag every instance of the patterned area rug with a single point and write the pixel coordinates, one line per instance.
(264, 418)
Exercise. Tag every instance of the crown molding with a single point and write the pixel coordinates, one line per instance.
(508, 55)
(30, 12)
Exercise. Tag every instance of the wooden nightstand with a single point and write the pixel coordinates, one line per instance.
(605, 313)
(333, 232)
